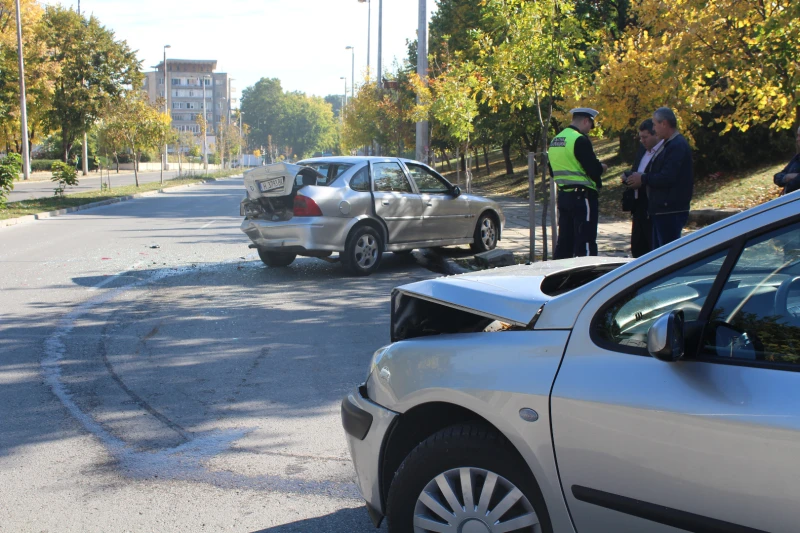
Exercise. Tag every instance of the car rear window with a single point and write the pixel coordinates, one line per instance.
(331, 171)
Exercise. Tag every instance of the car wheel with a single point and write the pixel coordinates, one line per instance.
(363, 252)
(276, 259)
(485, 234)
(465, 478)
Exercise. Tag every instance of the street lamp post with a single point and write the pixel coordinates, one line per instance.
(422, 72)
(205, 121)
(369, 25)
(229, 99)
(352, 69)
(165, 163)
(345, 93)
(23, 105)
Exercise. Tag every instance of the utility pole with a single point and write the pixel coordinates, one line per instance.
(380, 59)
(165, 164)
(205, 130)
(85, 157)
(422, 72)
(23, 104)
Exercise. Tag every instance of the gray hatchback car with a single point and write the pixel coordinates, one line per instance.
(595, 394)
(360, 207)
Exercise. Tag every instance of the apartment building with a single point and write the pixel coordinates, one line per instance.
(187, 81)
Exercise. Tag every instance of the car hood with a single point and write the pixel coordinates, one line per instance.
(512, 295)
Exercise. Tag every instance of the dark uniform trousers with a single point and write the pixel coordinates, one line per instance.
(577, 223)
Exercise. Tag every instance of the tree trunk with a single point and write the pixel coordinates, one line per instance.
(135, 166)
(447, 158)
(477, 158)
(628, 144)
(507, 157)
(163, 162)
(486, 160)
(463, 163)
(116, 159)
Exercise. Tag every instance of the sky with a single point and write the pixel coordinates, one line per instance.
(300, 42)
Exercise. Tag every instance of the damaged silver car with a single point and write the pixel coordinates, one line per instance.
(360, 207)
(594, 395)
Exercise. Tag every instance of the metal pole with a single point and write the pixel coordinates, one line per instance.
(553, 212)
(532, 202)
(23, 105)
(422, 72)
(352, 71)
(369, 25)
(380, 60)
(240, 136)
(205, 121)
(166, 105)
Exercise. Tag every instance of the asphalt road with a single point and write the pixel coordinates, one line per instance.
(26, 190)
(155, 376)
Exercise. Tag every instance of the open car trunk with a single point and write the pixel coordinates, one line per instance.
(500, 299)
(271, 190)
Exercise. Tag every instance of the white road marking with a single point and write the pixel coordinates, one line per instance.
(109, 279)
(207, 225)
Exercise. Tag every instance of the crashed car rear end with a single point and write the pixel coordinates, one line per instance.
(291, 210)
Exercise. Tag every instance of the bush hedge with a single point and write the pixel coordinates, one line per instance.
(42, 165)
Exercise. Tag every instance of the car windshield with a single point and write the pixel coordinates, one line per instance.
(329, 170)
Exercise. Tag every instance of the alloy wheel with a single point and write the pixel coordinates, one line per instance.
(488, 233)
(473, 500)
(366, 251)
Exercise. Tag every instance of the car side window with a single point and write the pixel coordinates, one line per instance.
(757, 314)
(426, 181)
(360, 180)
(626, 321)
(389, 177)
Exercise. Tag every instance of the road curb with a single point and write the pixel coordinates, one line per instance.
(67, 210)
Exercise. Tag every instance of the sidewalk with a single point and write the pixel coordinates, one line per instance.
(613, 236)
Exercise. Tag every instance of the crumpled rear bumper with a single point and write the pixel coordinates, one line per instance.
(366, 425)
(299, 233)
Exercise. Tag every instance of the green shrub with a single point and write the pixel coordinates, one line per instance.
(10, 167)
(63, 175)
(42, 165)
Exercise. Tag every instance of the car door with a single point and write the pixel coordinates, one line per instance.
(707, 443)
(445, 216)
(396, 202)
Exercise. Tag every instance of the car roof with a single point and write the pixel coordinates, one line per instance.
(353, 159)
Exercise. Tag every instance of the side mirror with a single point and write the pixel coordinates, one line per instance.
(665, 339)
(456, 191)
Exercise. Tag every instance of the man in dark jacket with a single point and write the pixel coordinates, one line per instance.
(669, 181)
(641, 227)
(789, 177)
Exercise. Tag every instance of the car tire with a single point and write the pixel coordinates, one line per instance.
(276, 259)
(476, 452)
(485, 237)
(363, 251)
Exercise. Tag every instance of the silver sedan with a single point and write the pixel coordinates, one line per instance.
(594, 395)
(360, 207)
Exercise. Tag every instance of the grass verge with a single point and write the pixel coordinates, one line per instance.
(53, 203)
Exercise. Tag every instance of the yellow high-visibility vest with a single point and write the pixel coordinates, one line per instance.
(567, 171)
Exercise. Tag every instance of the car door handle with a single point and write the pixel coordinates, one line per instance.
(386, 202)
(430, 204)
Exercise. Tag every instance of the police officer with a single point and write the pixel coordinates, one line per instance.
(576, 171)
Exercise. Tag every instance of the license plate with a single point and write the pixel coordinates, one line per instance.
(269, 185)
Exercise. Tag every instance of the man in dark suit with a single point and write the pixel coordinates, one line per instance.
(641, 228)
(669, 180)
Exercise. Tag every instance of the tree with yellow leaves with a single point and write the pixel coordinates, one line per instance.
(734, 59)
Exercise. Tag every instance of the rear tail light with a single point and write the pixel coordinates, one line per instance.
(306, 207)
